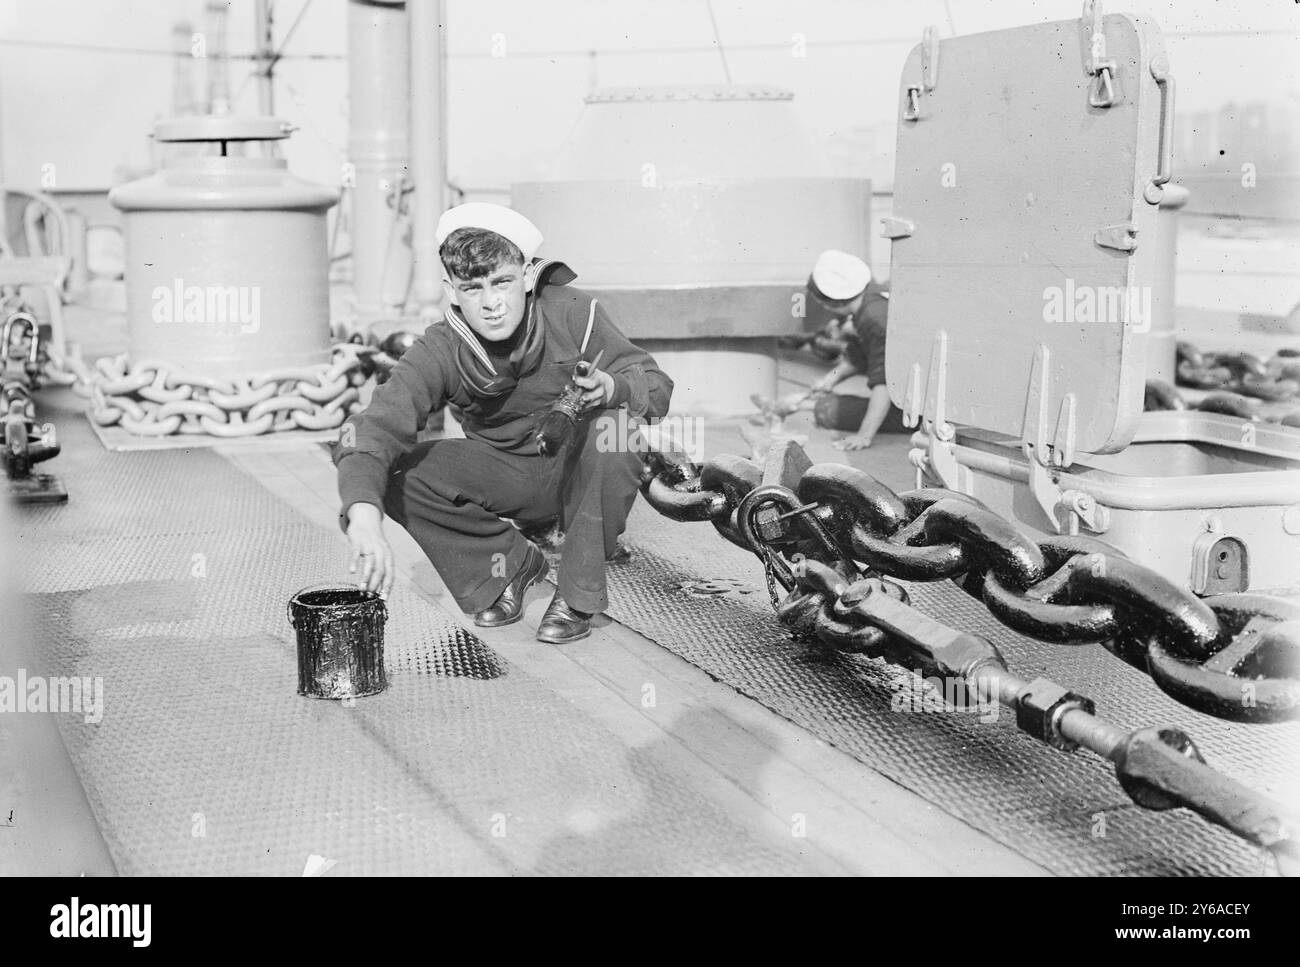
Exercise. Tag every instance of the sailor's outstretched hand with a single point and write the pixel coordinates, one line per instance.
(372, 558)
(858, 442)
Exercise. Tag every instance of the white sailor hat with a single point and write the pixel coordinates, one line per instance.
(495, 218)
(840, 276)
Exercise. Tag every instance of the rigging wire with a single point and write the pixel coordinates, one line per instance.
(717, 39)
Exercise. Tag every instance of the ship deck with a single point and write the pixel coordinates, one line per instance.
(687, 735)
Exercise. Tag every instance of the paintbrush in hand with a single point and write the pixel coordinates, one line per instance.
(557, 425)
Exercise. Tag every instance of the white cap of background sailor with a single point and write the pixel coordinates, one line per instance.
(840, 277)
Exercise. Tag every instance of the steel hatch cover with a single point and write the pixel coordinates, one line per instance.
(1002, 186)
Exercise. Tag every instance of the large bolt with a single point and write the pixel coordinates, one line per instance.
(1038, 709)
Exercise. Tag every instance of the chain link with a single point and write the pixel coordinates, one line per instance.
(151, 397)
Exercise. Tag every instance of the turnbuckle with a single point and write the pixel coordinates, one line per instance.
(914, 639)
(1159, 768)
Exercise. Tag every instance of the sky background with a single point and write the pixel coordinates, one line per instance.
(82, 81)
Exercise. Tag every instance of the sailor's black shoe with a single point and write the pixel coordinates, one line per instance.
(620, 555)
(509, 607)
(562, 624)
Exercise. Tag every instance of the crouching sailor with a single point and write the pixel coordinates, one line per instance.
(841, 283)
(504, 352)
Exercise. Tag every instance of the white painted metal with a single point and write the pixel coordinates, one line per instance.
(1012, 186)
(227, 273)
(1013, 182)
(1185, 475)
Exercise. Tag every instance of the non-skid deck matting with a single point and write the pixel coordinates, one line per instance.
(167, 576)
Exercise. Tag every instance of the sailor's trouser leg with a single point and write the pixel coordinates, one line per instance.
(599, 487)
(451, 496)
(845, 411)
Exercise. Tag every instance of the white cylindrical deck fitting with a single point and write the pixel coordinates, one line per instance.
(227, 270)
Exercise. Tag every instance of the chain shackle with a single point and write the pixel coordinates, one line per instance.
(761, 498)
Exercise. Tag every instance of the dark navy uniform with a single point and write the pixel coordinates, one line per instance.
(452, 495)
(865, 349)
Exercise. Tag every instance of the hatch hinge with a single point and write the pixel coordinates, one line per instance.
(925, 402)
(925, 395)
(1079, 506)
(1103, 90)
(1059, 451)
(1046, 456)
(1122, 237)
(929, 74)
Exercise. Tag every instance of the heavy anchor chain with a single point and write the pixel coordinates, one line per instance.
(837, 541)
(152, 397)
(1241, 382)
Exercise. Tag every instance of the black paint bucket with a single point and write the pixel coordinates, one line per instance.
(340, 641)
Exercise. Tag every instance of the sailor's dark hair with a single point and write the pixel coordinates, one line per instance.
(471, 253)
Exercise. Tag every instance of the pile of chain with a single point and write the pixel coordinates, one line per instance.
(155, 398)
(1238, 383)
(831, 537)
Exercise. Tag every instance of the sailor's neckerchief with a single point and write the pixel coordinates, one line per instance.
(477, 372)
